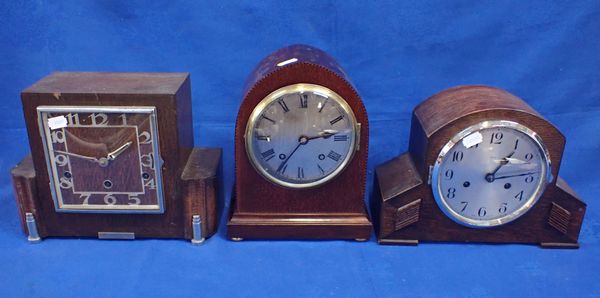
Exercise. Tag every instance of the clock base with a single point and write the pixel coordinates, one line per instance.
(298, 226)
(405, 213)
(197, 218)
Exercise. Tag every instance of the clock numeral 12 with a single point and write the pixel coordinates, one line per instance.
(99, 119)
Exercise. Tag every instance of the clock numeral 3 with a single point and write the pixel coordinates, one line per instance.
(145, 138)
(342, 138)
(147, 160)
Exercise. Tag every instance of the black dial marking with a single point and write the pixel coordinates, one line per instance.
(283, 105)
(263, 138)
(340, 138)
(267, 155)
(267, 118)
(282, 169)
(323, 105)
(334, 155)
(300, 173)
(336, 120)
(321, 169)
(303, 101)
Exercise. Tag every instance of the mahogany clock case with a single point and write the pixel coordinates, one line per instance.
(403, 205)
(190, 175)
(335, 210)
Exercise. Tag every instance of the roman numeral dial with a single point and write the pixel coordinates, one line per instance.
(301, 135)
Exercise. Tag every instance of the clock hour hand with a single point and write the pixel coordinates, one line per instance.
(301, 141)
(324, 134)
(114, 154)
(511, 160)
(490, 177)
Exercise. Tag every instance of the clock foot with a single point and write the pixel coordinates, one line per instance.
(197, 241)
(33, 237)
(559, 245)
(360, 239)
(237, 239)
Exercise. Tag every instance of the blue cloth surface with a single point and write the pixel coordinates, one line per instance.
(396, 52)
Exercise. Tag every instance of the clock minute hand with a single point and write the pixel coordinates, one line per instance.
(490, 177)
(516, 175)
(78, 155)
(114, 154)
(301, 141)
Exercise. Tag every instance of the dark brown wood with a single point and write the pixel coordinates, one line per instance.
(201, 189)
(170, 94)
(555, 220)
(23, 180)
(261, 209)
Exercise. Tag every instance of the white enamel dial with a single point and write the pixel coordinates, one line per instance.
(301, 135)
(490, 174)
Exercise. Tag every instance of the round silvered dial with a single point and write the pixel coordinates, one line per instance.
(301, 135)
(490, 173)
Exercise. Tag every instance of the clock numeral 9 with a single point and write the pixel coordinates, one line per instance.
(145, 138)
(65, 183)
(449, 174)
(147, 160)
(99, 119)
(61, 160)
(58, 136)
(133, 200)
(496, 138)
(109, 199)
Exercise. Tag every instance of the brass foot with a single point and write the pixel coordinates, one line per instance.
(361, 239)
(236, 239)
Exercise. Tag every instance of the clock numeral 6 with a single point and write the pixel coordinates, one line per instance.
(133, 200)
(65, 183)
(482, 212)
(147, 160)
(145, 138)
(109, 199)
(58, 136)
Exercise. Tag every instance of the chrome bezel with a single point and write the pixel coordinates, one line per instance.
(52, 175)
(531, 201)
(295, 88)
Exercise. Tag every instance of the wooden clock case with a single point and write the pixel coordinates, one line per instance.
(403, 202)
(190, 174)
(335, 210)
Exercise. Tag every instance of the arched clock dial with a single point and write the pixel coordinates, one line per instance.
(490, 173)
(301, 135)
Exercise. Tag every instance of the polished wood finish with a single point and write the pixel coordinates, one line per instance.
(555, 220)
(261, 209)
(170, 93)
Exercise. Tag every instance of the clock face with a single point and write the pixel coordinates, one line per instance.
(102, 159)
(490, 174)
(301, 136)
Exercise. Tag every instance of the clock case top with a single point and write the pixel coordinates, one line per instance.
(190, 175)
(403, 202)
(335, 210)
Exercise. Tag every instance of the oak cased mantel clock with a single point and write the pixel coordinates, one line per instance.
(301, 141)
(112, 156)
(482, 166)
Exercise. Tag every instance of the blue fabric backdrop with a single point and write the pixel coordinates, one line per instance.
(398, 53)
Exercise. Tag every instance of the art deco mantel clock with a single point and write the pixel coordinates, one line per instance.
(112, 156)
(482, 166)
(301, 142)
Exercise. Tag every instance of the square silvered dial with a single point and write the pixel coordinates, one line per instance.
(102, 159)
